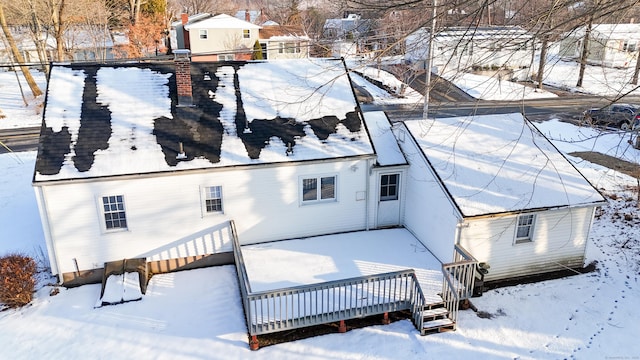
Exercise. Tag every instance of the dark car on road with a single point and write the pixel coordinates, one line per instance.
(623, 116)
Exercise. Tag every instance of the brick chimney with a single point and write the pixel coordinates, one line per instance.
(185, 33)
(247, 16)
(183, 76)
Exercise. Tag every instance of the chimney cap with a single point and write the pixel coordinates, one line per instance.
(181, 54)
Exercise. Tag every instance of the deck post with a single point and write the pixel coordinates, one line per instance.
(385, 319)
(253, 343)
(342, 328)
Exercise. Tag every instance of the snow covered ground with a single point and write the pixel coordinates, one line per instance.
(197, 314)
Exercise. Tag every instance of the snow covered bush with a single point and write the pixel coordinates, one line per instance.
(17, 280)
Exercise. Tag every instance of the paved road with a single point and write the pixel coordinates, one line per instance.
(23, 139)
(446, 102)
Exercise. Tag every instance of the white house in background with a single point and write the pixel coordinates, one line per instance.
(151, 161)
(220, 37)
(283, 42)
(463, 48)
(613, 45)
(496, 186)
(81, 43)
(223, 37)
(346, 36)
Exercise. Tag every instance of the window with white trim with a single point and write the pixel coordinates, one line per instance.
(389, 185)
(213, 199)
(320, 188)
(246, 33)
(226, 57)
(115, 217)
(524, 230)
(204, 34)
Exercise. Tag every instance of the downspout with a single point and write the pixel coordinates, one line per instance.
(367, 174)
(46, 229)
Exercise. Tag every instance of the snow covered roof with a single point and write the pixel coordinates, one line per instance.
(499, 163)
(282, 33)
(221, 21)
(384, 141)
(191, 19)
(110, 120)
(611, 31)
(475, 33)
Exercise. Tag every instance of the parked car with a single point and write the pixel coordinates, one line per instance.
(623, 116)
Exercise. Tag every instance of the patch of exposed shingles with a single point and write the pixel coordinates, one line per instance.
(53, 148)
(95, 124)
(200, 131)
(197, 128)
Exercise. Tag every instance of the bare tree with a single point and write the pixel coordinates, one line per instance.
(35, 90)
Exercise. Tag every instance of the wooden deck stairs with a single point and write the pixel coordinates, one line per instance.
(436, 319)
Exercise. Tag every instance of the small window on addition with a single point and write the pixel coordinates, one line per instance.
(246, 33)
(114, 214)
(524, 231)
(204, 34)
(213, 199)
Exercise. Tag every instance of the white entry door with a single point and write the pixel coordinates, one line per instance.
(389, 200)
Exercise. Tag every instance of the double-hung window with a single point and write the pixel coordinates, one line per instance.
(115, 217)
(246, 33)
(320, 188)
(212, 199)
(204, 34)
(524, 230)
(389, 185)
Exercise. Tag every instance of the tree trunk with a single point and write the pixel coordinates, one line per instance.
(37, 30)
(35, 90)
(637, 70)
(58, 27)
(543, 60)
(585, 50)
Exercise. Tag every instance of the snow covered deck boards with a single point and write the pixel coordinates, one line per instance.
(305, 282)
(320, 259)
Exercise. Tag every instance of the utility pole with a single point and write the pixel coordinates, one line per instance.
(429, 61)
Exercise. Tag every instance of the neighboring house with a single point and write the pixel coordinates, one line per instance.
(464, 48)
(347, 36)
(497, 187)
(81, 43)
(613, 45)
(283, 42)
(218, 38)
(152, 161)
(223, 37)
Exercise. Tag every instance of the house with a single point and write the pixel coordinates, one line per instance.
(612, 45)
(223, 37)
(81, 43)
(347, 36)
(283, 41)
(152, 160)
(464, 48)
(495, 186)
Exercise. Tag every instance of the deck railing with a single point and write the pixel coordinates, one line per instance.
(458, 280)
(332, 301)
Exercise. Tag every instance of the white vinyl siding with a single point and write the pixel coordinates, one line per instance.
(264, 202)
(559, 241)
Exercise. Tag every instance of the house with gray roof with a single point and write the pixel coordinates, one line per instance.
(152, 160)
